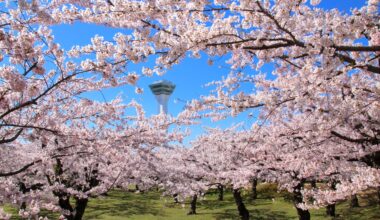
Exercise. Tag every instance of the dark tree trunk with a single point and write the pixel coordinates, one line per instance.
(354, 201)
(330, 209)
(23, 205)
(80, 207)
(64, 203)
(63, 198)
(77, 212)
(175, 197)
(313, 184)
(243, 212)
(193, 206)
(297, 198)
(220, 192)
(378, 192)
(254, 189)
(23, 189)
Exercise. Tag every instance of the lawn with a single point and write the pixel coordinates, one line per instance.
(120, 205)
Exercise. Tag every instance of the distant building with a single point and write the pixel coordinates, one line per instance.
(162, 89)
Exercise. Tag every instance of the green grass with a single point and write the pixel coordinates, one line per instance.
(120, 205)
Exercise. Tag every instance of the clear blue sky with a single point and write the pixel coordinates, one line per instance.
(190, 76)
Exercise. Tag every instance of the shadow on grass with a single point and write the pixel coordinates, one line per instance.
(255, 214)
(368, 212)
(268, 214)
(212, 203)
(124, 204)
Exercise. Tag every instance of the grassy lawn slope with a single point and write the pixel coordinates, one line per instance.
(119, 205)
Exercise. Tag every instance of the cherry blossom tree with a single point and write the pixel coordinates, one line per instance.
(57, 145)
(86, 161)
(289, 32)
(179, 176)
(222, 152)
(215, 158)
(317, 117)
(40, 79)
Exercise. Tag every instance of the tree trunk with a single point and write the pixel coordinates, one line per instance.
(64, 203)
(80, 207)
(243, 212)
(23, 189)
(254, 189)
(354, 201)
(378, 192)
(297, 198)
(74, 213)
(77, 212)
(193, 206)
(313, 184)
(175, 197)
(221, 192)
(330, 209)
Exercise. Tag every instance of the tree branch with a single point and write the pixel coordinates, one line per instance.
(22, 169)
(3, 141)
(29, 126)
(353, 140)
(357, 48)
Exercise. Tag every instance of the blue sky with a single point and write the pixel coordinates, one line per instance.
(190, 76)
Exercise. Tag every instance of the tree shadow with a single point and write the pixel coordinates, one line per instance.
(255, 214)
(369, 199)
(124, 204)
(212, 204)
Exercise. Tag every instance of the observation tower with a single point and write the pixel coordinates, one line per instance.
(162, 89)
